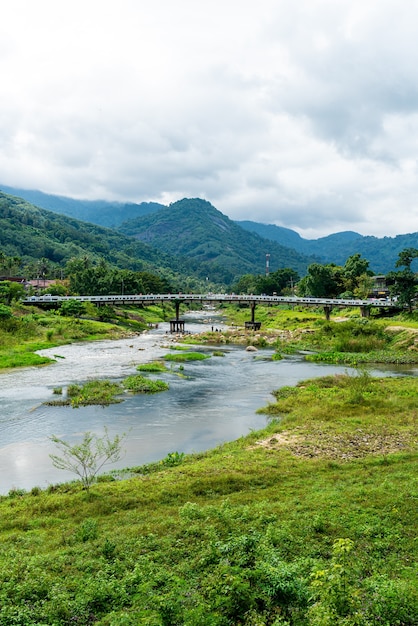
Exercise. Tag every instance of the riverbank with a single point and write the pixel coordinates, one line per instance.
(284, 526)
(350, 340)
(30, 330)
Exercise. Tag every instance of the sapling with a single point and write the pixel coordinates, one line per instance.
(87, 458)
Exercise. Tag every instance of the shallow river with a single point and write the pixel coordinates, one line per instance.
(215, 401)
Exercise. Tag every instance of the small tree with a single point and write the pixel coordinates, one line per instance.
(72, 308)
(87, 458)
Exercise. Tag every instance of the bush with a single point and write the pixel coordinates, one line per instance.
(140, 384)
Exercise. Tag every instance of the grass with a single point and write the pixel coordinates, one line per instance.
(105, 392)
(308, 522)
(100, 392)
(140, 384)
(186, 356)
(155, 366)
(30, 330)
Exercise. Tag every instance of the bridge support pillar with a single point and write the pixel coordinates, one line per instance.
(253, 325)
(327, 311)
(365, 311)
(177, 325)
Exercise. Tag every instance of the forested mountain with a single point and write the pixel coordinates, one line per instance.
(100, 212)
(206, 237)
(32, 233)
(193, 228)
(382, 253)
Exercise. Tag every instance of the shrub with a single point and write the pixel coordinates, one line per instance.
(87, 458)
(140, 384)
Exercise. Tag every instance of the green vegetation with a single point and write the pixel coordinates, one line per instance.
(28, 329)
(105, 392)
(309, 522)
(87, 458)
(214, 246)
(348, 339)
(140, 384)
(30, 234)
(186, 356)
(155, 366)
(101, 392)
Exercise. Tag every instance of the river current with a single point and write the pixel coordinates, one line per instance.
(214, 401)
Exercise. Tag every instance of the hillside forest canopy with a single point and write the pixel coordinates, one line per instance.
(41, 246)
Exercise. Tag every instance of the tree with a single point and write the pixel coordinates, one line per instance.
(405, 257)
(87, 458)
(354, 268)
(72, 308)
(321, 281)
(403, 283)
(10, 291)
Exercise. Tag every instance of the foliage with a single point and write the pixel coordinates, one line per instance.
(10, 291)
(87, 458)
(277, 282)
(381, 252)
(5, 312)
(187, 356)
(310, 519)
(90, 278)
(72, 308)
(213, 244)
(155, 366)
(140, 384)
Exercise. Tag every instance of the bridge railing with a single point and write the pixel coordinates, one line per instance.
(212, 297)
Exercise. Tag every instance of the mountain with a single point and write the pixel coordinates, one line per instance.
(32, 233)
(382, 253)
(100, 212)
(193, 228)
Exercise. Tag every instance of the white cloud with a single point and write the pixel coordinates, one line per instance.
(300, 113)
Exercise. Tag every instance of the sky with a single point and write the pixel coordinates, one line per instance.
(299, 113)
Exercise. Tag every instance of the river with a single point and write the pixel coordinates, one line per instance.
(214, 401)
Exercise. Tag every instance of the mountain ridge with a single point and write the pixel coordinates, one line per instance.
(382, 253)
(195, 229)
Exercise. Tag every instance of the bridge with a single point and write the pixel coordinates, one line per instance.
(328, 304)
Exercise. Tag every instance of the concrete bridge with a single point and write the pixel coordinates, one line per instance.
(328, 304)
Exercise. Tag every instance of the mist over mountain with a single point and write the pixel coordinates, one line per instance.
(100, 212)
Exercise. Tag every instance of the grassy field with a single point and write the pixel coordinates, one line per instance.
(311, 521)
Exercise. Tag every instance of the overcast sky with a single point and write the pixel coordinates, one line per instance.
(300, 113)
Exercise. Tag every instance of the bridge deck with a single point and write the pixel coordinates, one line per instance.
(145, 299)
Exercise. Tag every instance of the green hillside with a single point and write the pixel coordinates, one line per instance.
(382, 253)
(193, 228)
(32, 233)
(101, 212)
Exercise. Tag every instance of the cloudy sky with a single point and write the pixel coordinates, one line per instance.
(300, 113)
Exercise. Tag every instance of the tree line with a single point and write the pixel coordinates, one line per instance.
(352, 280)
(87, 276)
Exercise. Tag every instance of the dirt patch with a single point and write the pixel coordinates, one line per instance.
(343, 447)
(413, 331)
